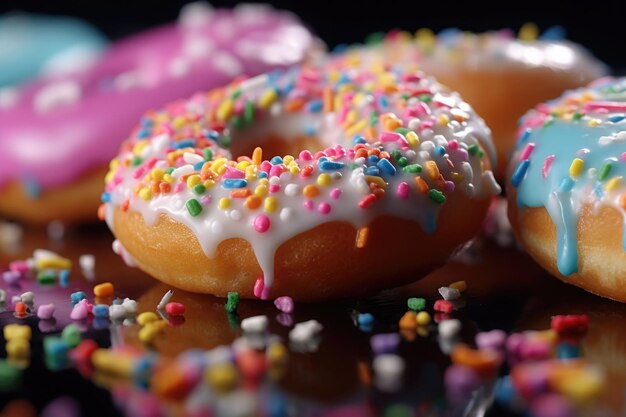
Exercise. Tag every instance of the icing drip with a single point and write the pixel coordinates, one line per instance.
(576, 159)
(396, 142)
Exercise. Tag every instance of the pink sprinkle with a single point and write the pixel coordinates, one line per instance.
(305, 156)
(547, 164)
(232, 172)
(528, 149)
(261, 223)
(453, 145)
(351, 153)
(319, 154)
(426, 124)
(323, 208)
(266, 166)
(79, 312)
(139, 173)
(284, 304)
(259, 289)
(19, 266)
(330, 152)
(403, 190)
(411, 77)
(308, 204)
(343, 113)
(387, 137)
(420, 110)
(45, 311)
(178, 187)
(205, 199)
(151, 163)
(463, 155)
(274, 188)
(623, 156)
(335, 193)
(605, 105)
(167, 129)
(276, 170)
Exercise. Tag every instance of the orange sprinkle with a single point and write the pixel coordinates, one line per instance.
(365, 373)
(433, 170)
(253, 202)
(408, 321)
(294, 105)
(102, 212)
(384, 154)
(164, 187)
(328, 100)
(240, 193)
(622, 201)
(370, 132)
(377, 191)
(306, 171)
(257, 156)
(391, 123)
(154, 186)
(361, 237)
(311, 191)
(124, 205)
(373, 152)
(421, 185)
(105, 289)
(361, 153)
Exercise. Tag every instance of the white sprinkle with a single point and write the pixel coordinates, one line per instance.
(15, 299)
(449, 328)
(117, 312)
(256, 324)
(192, 158)
(292, 190)
(493, 185)
(165, 299)
(254, 83)
(235, 215)
(28, 297)
(305, 331)
(130, 306)
(181, 171)
(195, 14)
(285, 214)
(3, 296)
(449, 293)
(389, 371)
(56, 95)
(87, 263)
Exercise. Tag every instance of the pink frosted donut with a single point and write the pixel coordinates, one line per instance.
(58, 134)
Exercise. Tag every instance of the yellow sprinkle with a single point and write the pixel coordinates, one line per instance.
(242, 165)
(351, 117)
(376, 180)
(157, 174)
(193, 180)
(357, 127)
(324, 180)
(443, 120)
(257, 156)
(17, 331)
(422, 318)
(112, 362)
(251, 172)
(224, 203)
(358, 98)
(109, 177)
(222, 377)
(145, 193)
(264, 181)
(361, 237)
(276, 353)
(18, 349)
(114, 164)
(425, 38)
(221, 169)
(168, 178)
(528, 32)
(178, 122)
(260, 190)
(613, 183)
(432, 170)
(267, 98)
(288, 159)
(459, 285)
(457, 177)
(576, 168)
(139, 147)
(294, 169)
(147, 334)
(208, 184)
(271, 204)
(146, 317)
(412, 138)
(391, 123)
(593, 122)
(218, 163)
(225, 110)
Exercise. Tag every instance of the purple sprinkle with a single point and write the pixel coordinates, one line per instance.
(552, 405)
(285, 319)
(460, 381)
(385, 343)
(284, 304)
(11, 277)
(493, 340)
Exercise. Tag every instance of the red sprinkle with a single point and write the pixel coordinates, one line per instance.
(443, 306)
(571, 323)
(367, 201)
(175, 309)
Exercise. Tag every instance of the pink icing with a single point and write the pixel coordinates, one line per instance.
(61, 127)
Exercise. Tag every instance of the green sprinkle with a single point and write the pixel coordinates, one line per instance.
(473, 149)
(405, 96)
(199, 189)
(436, 195)
(605, 171)
(71, 335)
(236, 94)
(237, 122)
(248, 112)
(416, 304)
(398, 410)
(225, 141)
(548, 123)
(396, 154)
(233, 302)
(208, 154)
(171, 169)
(193, 207)
(373, 118)
(46, 278)
(402, 130)
(137, 160)
(402, 161)
(426, 98)
(10, 376)
(412, 169)
(375, 38)
(577, 116)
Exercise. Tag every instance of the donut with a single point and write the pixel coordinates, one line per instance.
(59, 133)
(501, 75)
(34, 45)
(566, 187)
(310, 183)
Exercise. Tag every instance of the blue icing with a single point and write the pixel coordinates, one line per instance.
(37, 40)
(555, 192)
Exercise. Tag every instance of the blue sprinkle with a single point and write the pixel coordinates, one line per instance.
(315, 106)
(440, 150)
(64, 278)
(310, 130)
(277, 160)
(75, 297)
(383, 102)
(365, 319)
(519, 173)
(524, 136)
(212, 134)
(198, 166)
(146, 122)
(262, 174)
(448, 34)
(373, 171)
(358, 139)
(553, 33)
(32, 188)
(616, 118)
(105, 197)
(184, 144)
(505, 391)
(143, 133)
(287, 89)
(276, 406)
(100, 310)
(56, 353)
(142, 370)
(567, 351)
(234, 183)
(566, 185)
(101, 323)
(373, 159)
(323, 158)
(598, 190)
(343, 79)
(386, 167)
(331, 165)
(340, 48)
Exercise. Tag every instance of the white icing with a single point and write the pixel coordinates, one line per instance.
(56, 95)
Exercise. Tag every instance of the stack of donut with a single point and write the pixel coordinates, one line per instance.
(58, 133)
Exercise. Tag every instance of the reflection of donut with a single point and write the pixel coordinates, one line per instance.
(368, 212)
(60, 132)
(567, 201)
(500, 75)
(34, 44)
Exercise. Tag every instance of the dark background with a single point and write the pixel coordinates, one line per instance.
(599, 25)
